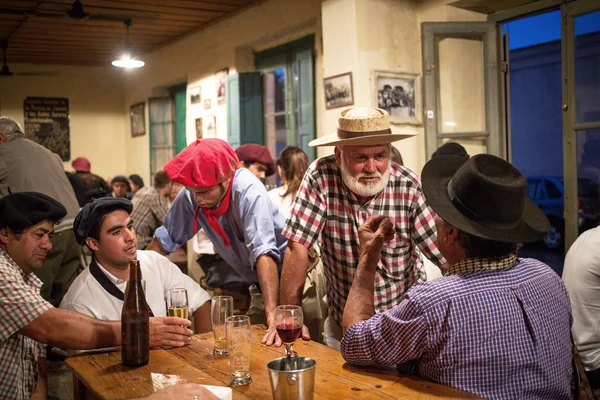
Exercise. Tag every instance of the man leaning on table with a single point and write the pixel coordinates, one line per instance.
(28, 321)
(105, 226)
(494, 325)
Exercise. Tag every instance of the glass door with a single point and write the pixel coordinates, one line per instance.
(581, 107)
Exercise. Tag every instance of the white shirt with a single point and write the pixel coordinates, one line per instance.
(88, 297)
(284, 203)
(581, 275)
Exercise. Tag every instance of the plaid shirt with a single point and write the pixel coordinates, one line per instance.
(499, 334)
(20, 303)
(325, 206)
(149, 212)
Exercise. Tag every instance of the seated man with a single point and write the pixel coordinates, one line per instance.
(495, 325)
(27, 221)
(150, 206)
(104, 225)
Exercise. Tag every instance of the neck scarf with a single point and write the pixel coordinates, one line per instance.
(211, 214)
(476, 264)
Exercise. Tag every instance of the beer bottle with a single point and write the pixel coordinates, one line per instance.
(135, 321)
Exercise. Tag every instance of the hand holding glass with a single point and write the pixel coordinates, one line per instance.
(238, 333)
(288, 321)
(177, 302)
(221, 309)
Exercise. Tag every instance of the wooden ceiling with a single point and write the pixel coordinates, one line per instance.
(41, 32)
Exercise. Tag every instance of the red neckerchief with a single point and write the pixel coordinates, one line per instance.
(211, 215)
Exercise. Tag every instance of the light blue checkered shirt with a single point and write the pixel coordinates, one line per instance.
(502, 334)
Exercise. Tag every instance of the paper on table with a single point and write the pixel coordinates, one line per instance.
(161, 381)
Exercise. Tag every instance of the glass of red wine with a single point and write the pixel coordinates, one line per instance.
(289, 320)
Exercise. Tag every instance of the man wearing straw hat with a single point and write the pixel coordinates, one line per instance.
(495, 325)
(337, 195)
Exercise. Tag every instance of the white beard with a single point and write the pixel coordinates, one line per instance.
(365, 189)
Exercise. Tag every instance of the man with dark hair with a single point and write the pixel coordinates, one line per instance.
(256, 159)
(27, 221)
(120, 187)
(135, 183)
(26, 166)
(150, 206)
(495, 325)
(105, 227)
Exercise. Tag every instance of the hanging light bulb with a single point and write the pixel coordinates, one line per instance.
(126, 58)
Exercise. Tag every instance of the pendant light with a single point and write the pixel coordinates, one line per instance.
(126, 58)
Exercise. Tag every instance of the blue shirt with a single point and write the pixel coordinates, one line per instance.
(252, 224)
(501, 334)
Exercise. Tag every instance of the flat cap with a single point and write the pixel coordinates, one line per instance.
(251, 153)
(21, 210)
(91, 213)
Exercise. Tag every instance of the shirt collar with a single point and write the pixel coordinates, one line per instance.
(31, 279)
(110, 276)
(477, 263)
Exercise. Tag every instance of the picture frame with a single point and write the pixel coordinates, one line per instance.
(137, 117)
(220, 77)
(211, 126)
(199, 128)
(399, 93)
(207, 104)
(339, 91)
(195, 95)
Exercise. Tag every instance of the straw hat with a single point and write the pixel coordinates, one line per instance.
(361, 126)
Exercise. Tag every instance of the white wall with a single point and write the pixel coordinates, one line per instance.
(98, 125)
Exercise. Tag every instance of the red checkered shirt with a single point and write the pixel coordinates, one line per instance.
(20, 303)
(325, 207)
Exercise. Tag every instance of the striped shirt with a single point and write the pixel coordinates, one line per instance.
(20, 303)
(325, 207)
(149, 212)
(499, 334)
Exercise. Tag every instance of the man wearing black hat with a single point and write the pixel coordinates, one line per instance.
(28, 321)
(120, 187)
(105, 226)
(495, 325)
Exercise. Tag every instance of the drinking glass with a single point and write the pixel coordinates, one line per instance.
(238, 334)
(221, 309)
(289, 320)
(177, 302)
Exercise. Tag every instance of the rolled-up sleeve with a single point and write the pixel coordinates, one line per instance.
(389, 338)
(259, 227)
(178, 227)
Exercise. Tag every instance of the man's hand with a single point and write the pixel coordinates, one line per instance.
(185, 391)
(169, 331)
(372, 234)
(271, 336)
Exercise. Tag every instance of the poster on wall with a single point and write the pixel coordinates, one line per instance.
(211, 126)
(221, 75)
(198, 128)
(47, 123)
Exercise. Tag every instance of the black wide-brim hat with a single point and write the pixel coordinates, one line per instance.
(484, 196)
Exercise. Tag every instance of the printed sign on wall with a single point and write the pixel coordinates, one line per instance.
(47, 123)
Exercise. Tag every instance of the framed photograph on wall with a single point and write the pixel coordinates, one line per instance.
(199, 128)
(137, 117)
(220, 79)
(211, 126)
(207, 104)
(195, 94)
(339, 91)
(399, 93)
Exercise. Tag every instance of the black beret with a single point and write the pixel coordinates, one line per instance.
(21, 210)
(91, 213)
(120, 178)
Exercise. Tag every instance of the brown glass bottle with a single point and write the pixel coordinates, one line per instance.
(135, 321)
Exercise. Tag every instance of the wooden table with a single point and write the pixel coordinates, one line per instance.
(101, 376)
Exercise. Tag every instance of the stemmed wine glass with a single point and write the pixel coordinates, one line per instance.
(289, 320)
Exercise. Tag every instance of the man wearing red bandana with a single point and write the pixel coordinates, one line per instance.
(234, 209)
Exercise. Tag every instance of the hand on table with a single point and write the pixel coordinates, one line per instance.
(169, 331)
(187, 391)
(271, 336)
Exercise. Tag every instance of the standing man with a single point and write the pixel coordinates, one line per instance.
(256, 159)
(234, 209)
(95, 186)
(150, 206)
(27, 221)
(495, 325)
(27, 166)
(338, 194)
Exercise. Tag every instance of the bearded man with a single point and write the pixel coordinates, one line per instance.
(338, 194)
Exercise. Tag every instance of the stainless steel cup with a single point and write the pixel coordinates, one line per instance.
(293, 379)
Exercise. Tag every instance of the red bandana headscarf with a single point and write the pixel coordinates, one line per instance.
(205, 163)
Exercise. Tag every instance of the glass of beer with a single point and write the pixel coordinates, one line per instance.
(177, 302)
(221, 309)
(237, 329)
